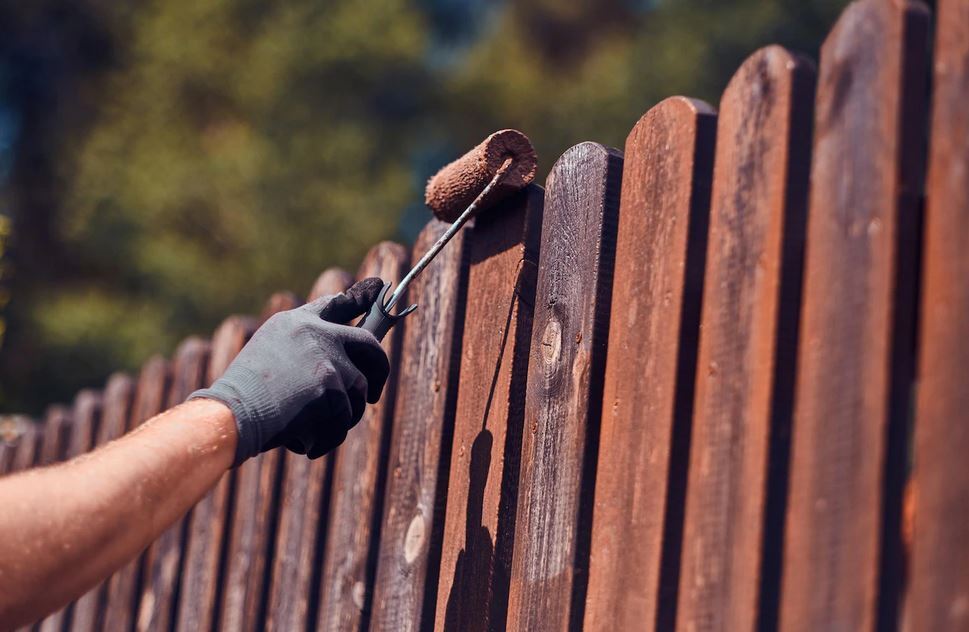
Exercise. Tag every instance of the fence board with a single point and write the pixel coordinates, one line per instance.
(359, 475)
(564, 390)
(57, 435)
(253, 523)
(124, 587)
(304, 500)
(87, 414)
(939, 593)
(854, 365)
(115, 411)
(83, 420)
(744, 387)
(420, 444)
(28, 447)
(647, 395)
(163, 560)
(200, 585)
(11, 432)
(479, 523)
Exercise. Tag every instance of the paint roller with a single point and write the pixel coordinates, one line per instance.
(502, 164)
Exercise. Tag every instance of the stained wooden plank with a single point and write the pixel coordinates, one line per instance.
(304, 499)
(482, 482)
(359, 475)
(649, 376)
(938, 597)
(420, 445)
(115, 411)
(564, 390)
(163, 559)
(748, 344)
(57, 435)
(251, 540)
(12, 428)
(855, 359)
(124, 587)
(204, 547)
(28, 447)
(85, 421)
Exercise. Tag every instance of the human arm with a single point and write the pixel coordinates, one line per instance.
(302, 381)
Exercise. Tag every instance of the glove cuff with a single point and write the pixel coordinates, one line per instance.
(252, 412)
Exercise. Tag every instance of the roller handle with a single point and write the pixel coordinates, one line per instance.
(378, 320)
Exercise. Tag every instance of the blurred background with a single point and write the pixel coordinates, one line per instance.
(164, 163)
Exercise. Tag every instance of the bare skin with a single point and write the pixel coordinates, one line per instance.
(96, 512)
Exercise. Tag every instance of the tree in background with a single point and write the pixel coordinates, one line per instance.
(180, 160)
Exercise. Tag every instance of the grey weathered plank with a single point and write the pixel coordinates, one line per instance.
(420, 444)
(302, 516)
(855, 364)
(359, 475)
(479, 523)
(748, 344)
(938, 597)
(650, 367)
(564, 390)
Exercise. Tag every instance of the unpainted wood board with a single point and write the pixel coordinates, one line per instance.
(57, 434)
(855, 359)
(163, 559)
(938, 595)
(12, 429)
(28, 447)
(250, 546)
(420, 444)
(479, 525)
(748, 344)
(302, 516)
(115, 410)
(650, 367)
(359, 476)
(124, 587)
(205, 539)
(564, 390)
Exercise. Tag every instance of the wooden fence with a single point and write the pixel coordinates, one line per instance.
(714, 381)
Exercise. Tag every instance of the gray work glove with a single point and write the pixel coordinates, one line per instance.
(304, 379)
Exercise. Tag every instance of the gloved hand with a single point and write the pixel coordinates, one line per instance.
(304, 378)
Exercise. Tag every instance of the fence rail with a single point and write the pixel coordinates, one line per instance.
(714, 381)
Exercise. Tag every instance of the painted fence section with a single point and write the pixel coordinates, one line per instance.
(707, 425)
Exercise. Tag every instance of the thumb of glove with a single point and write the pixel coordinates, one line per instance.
(344, 307)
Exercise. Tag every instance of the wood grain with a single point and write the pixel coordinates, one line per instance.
(938, 597)
(85, 417)
(359, 476)
(205, 543)
(115, 412)
(748, 345)
(855, 364)
(564, 390)
(650, 368)
(304, 501)
(124, 587)
(479, 525)
(251, 534)
(420, 445)
(11, 430)
(88, 420)
(163, 560)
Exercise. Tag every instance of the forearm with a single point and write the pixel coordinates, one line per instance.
(67, 527)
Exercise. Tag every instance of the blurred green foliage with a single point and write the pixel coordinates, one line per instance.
(180, 160)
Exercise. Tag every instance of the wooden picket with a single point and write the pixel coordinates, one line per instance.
(938, 597)
(674, 390)
(359, 476)
(744, 386)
